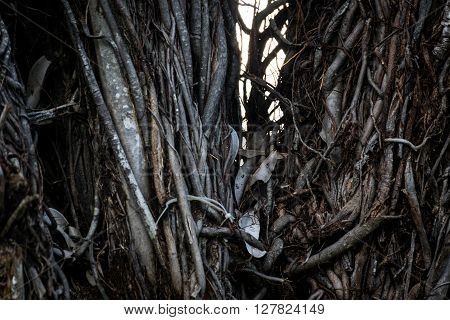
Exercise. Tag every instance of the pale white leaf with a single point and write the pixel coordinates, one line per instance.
(35, 81)
(234, 148)
(241, 180)
(264, 172)
(249, 223)
(61, 221)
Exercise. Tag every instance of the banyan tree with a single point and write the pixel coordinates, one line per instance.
(141, 158)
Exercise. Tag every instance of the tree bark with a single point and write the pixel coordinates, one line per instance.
(127, 160)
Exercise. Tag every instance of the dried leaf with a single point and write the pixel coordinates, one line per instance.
(35, 81)
(241, 180)
(305, 174)
(234, 148)
(61, 221)
(264, 172)
(249, 223)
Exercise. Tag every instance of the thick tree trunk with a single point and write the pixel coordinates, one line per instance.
(364, 99)
(155, 186)
(28, 267)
